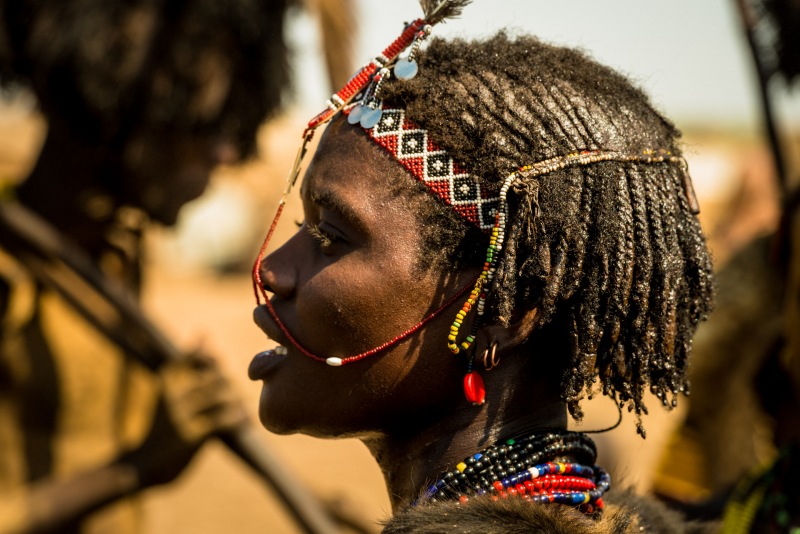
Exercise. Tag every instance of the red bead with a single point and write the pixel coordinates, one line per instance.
(474, 389)
(521, 489)
(462, 499)
(498, 485)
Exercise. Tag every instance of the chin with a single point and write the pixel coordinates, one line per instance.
(298, 417)
(282, 418)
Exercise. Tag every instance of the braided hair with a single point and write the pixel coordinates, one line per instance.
(610, 254)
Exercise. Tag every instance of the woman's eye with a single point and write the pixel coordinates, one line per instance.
(324, 239)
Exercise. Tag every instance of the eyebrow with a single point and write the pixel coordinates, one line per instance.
(331, 201)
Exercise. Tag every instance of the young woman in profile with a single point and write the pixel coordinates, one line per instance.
(494, 230)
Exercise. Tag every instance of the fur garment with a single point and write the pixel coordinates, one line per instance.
(625, 513)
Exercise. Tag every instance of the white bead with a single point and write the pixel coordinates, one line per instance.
(334, 362)
(534, 472)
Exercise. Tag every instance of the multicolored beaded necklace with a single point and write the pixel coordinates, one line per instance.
(528, 468)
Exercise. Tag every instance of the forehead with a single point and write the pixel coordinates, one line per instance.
(349, 168)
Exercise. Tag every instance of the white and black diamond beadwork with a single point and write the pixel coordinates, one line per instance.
(434, 167)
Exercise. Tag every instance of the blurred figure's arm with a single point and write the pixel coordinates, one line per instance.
(196, 403)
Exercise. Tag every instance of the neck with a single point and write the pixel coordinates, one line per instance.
(413, 459)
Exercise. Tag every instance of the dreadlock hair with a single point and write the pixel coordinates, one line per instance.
(107, 67)
(609, 253)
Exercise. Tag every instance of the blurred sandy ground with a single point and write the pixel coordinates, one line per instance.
(197, 291)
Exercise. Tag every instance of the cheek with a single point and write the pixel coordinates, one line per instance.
(355, 311)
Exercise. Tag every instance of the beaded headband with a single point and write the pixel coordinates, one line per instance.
(414, 149)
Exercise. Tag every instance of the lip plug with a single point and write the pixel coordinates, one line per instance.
(281, 351)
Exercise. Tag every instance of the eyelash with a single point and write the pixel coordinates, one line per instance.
(323, 238)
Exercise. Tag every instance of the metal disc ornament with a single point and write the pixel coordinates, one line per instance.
(355, 114)
(405, 69)
(371, 117)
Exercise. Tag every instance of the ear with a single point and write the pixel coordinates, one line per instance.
(506, 337)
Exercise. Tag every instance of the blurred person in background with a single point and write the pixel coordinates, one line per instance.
(142, 100)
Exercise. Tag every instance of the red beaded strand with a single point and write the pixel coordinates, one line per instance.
(337, 362)
(365, 75)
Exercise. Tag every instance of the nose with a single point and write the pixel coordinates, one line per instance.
(278, 271)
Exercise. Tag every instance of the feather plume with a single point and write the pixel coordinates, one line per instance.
(439, 10)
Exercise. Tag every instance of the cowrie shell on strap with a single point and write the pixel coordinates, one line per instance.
(334, 362)
(371, 117)
(405, 69)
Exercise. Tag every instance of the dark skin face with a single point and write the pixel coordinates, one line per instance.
(348, 281)
(356, 286)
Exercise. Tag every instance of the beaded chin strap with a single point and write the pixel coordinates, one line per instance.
(413, 148)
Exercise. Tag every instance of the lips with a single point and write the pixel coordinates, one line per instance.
(263, 320)
(264, 362)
